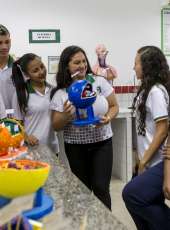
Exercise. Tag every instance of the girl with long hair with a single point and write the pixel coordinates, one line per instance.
(143, 195)
(88, 149)
(31, 100)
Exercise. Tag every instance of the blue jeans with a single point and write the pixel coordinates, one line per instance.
(144, 199)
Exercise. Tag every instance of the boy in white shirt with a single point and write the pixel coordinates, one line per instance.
(6, 86)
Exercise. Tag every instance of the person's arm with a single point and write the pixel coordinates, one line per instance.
(113, 109)
(161, 132)
(166, 182)
(60, 119)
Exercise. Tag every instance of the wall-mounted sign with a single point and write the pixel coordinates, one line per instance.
(53, 64)
(165, 30)
(44, 36)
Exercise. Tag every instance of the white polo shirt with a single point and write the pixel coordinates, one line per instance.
(7, 88)
(157, 108)
(37, 120)
(86, 134)
(2, 109)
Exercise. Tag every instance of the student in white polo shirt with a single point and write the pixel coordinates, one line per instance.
(32, 100)
(143, 195)
(89, 148)
(6, 87)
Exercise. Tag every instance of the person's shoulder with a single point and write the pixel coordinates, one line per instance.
(60, 93)
(157, 91)
(158, 88)
(5, 76)
(7, 72)
(99, 78)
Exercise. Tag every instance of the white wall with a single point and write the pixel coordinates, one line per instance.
(123, 26)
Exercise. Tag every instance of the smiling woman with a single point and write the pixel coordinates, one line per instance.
(88, 148)
(32, 99)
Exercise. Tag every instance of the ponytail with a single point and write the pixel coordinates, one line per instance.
(19, 69)
(20, 85)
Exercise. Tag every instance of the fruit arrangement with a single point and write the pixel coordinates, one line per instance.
(18, 177)
(19, 165)
(21, 177)
(11, 135)
(5, 139)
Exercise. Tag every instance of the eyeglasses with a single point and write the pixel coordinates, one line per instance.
(3, 30)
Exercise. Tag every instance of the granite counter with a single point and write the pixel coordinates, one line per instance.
(76, 200)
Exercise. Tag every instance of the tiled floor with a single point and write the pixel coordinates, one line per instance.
(118, 207)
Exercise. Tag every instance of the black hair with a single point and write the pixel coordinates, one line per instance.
(63, 76)
(155, 70)
(3, 30)
(19, 68)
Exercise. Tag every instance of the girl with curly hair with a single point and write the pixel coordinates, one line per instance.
(143, 195)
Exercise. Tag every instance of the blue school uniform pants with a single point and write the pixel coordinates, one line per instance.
(144, 199)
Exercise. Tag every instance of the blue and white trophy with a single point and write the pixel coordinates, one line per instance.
(82, 96)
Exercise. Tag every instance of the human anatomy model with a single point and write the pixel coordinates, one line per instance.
(101, 68)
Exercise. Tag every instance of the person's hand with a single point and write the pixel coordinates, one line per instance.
(31, 140)
(166, 182)
(135, 170)
(69, 111)
(136, 166)
(166, 187)
(166, 151)
(103, 121)
(141, 167)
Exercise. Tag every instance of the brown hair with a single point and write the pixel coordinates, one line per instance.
(3, 30)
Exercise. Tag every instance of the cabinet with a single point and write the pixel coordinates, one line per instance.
(122, 145)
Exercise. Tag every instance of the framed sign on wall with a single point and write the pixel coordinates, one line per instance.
(165, 30)
(53, 64)
(44, 36)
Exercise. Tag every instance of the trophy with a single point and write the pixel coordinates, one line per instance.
(82, 96)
